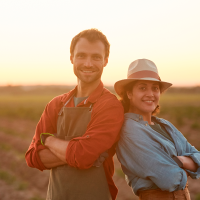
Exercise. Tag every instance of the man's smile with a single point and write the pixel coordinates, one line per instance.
(87, 71)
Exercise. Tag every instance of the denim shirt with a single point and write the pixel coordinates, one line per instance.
(146, 155)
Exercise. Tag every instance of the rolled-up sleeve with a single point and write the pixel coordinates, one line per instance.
(188, 150)
(194, 154)
(102, 133)
(46, 124)
(142, 156)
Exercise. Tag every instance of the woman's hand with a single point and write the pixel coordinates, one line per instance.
(187, 173)
(188, 163)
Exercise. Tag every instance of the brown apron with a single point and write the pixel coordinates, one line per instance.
(70, 183)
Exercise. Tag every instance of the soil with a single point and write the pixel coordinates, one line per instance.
(19, 182)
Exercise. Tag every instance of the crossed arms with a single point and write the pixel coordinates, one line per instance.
(143, 158)
(81, 152)
(55, 154)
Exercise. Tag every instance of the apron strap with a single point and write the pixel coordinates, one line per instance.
(90, 107)
(64, 106)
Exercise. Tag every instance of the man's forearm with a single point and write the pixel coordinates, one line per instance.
(188, 163)
(49, 159)
(57, 147)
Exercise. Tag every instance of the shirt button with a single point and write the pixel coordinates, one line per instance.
(33, 140)
(87, 136)
(145, 124)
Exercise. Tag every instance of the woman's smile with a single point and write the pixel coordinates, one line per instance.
(144, 97)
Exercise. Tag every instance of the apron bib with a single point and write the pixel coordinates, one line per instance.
(70, 183)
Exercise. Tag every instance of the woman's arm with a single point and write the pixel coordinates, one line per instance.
(191, 160)
(142, 156)
(190, 156)
(188, 163)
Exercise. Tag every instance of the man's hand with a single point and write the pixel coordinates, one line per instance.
(101, 159)
(43, 137)
(54, 156)
(49, 160)
(57, 146)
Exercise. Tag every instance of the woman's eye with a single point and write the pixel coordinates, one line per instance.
(156, 88)
(142, 88)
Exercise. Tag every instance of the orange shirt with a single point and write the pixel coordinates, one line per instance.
(101, 135)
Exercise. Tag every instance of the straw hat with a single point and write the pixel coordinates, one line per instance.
(141, 69)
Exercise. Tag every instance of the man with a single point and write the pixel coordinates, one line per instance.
(77, 132)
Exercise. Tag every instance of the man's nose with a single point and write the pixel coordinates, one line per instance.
(88, 62)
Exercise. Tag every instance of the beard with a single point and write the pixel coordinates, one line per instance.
(93, 75)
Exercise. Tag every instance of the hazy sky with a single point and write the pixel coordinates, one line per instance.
(35, 36)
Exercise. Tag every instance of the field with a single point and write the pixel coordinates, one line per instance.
(20, 110)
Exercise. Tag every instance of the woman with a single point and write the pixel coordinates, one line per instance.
(154, 155)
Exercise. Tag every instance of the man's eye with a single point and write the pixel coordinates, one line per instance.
(80, 55)
(97, 57)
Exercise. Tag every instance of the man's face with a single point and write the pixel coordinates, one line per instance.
(88, 60)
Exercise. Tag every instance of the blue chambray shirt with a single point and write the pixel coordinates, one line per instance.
(146, 155)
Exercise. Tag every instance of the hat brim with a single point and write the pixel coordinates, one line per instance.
(119, 86)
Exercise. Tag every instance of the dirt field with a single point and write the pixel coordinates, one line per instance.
(18, 117)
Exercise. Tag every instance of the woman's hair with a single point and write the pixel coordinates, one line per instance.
(126, 101)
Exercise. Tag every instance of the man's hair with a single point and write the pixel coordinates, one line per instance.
(92, 35)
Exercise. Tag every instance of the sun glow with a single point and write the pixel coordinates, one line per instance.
(36, 35)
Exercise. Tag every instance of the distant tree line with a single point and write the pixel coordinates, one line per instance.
(60, 89)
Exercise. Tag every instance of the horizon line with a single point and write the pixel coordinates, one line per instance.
(63, 85)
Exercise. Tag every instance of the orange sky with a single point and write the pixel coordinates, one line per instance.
(35, 38)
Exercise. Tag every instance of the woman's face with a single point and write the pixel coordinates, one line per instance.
(144, 97)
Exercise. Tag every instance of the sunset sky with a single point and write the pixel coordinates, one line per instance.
(35, 36)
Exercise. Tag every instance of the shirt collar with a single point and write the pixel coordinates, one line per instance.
(94, 96)
(67, 96)
(160, 120)
(139, 118)
(134, 116)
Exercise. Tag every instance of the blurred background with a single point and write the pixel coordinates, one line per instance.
(34, 67)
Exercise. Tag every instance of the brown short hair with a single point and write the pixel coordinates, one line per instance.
(126, 101)
(91, 35)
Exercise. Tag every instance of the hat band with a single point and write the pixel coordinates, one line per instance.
(145, 74)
